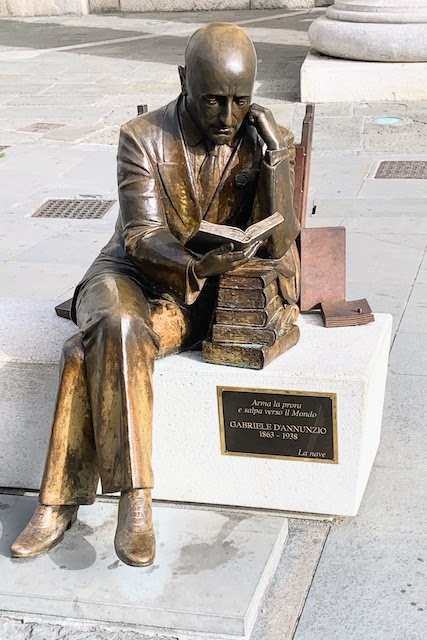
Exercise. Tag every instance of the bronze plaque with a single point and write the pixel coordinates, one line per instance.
(293, 425)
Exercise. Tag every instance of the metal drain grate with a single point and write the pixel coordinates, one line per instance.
(41, 127)
(86, 209)
(402, 170)
(3, 148)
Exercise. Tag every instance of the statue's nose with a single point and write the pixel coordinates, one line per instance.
(227, 114)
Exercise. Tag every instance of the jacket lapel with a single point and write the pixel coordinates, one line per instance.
(176, 173)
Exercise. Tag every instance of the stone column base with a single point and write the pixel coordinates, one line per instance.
(370, 41)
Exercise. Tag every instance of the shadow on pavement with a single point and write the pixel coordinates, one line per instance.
(279, 64)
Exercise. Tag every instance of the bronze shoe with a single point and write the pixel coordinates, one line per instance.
(45, 529)
(135, 543)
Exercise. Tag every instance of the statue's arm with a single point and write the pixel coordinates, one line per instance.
(147, 238)
(275, 193)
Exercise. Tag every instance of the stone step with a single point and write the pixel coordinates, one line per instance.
(210, 573)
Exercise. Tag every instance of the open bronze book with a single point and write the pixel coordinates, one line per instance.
(210, 235)
(346, 313)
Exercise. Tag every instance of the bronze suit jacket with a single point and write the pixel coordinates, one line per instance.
(159, 210)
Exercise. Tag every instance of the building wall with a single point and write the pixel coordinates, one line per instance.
(81, 7)
(43, 7)
(194, 5)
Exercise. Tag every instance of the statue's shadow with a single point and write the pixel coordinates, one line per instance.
(73, 553)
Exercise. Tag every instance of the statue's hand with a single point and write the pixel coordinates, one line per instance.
(268, 129)
(223, 259)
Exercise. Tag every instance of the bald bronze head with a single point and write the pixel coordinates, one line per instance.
(218, 80)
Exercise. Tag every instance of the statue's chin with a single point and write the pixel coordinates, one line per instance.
(221, 138)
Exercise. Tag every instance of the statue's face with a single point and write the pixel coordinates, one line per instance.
(218, 100)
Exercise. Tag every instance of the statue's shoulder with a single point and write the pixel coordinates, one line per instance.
(147, 126)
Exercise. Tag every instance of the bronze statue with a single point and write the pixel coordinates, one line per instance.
(211, 155)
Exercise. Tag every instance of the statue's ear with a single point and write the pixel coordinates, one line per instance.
(181, 71)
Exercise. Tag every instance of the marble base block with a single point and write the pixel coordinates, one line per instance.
(326, 79)
(188, 465)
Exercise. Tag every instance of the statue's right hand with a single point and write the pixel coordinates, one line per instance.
(223, 259)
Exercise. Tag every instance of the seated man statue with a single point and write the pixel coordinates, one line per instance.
(212, 155)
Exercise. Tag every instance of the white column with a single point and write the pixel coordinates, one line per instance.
(373, 30)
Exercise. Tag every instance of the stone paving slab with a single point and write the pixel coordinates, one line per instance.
(386, 598)
(393, 189)
(210, 574)
(415, 312)
(422, 275)
(37, 387)
(388, 225)
(409, 354)
(41, 281)
(405, 407)
(373, 208)
(73, 247)
(383, 297)
(384, 595)
(277, 619)
(381, 259)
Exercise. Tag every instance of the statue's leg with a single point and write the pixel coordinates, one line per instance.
(104, 410)
(120, 346)
(71, 471)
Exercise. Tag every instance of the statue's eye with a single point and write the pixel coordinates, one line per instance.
(211, 101)
(241, 102)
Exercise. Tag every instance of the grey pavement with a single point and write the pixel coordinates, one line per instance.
(370, 582)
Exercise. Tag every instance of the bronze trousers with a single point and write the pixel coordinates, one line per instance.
(103, 418)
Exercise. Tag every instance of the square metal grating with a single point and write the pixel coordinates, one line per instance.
(80, 209)
(41, 127)
(402, 170)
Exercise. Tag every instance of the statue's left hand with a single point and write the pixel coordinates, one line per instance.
(268, 129)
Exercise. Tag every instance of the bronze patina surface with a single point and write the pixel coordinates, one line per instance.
(212, 155)
(323, 266)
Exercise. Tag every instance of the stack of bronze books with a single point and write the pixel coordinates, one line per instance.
(252, 326)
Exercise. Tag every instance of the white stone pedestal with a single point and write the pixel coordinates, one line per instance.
(188, 464)
(327, 79)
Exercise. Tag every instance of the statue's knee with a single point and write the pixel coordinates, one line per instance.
(127, 323)
(73, 349)
(137, 325)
